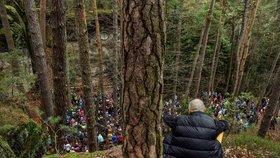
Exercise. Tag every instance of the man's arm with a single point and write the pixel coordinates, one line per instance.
(222, 126)
(170, 121)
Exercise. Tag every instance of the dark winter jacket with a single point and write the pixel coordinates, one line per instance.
(193, 136)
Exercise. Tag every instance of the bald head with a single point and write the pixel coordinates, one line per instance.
(196, 105)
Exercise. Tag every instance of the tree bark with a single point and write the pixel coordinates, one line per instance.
(100, 61)
(43, 8)
(244, 52)
(231, 57)
(240, 43)
(273, 102)
(59, 66)
(203, 47)
(80, 17)
(6, 27)
(194, 64)
(143, 50)
(116, 57)
(215, 58)
(40, 62)
(9, 36)
(178, 55)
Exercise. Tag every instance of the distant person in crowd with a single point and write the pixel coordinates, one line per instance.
(195, 135)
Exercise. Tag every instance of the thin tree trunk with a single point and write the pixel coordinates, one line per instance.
(59, 66)
(240, 43)
(143, 51)
(100, 61)
(216, 51)
(43, 8)
(40, 62)
(244, 53)
(273, 102)
(203, 47)
(80, 17)
(177, 60)
(194, 65)
(272, 69)
(116, 57)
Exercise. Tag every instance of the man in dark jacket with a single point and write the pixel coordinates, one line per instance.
(193, 136)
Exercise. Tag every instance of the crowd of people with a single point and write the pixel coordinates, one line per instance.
(246, 112)
(107, 136)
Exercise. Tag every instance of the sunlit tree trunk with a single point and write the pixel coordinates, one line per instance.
(273, 102)
(178, 55)
(80, 17)
(194, 65)
(244, 52)
(116, 56)
(240, 43)
(100, 61)
(203, 47)
(143, 51)
(40, 62)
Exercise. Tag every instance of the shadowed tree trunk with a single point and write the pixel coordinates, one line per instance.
(273, 102)
(143, 50)
(40, 62)
(43, 8)
(6, 27)
(59, 66)
(203, 47)
(9, 36)
(231, 56)
(80, 17)
(100, 61)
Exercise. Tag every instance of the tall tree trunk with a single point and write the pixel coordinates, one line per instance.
(245, 50)
(194, 64)
(100, 61)
(116, 57)
(80, 17)
(216, 52)
(9, 36)
(240, 43)
(40, 62)
(143, 51)
(6, 27)
(231, 56)
(273, 102)
(178, 55)
(203, 47)
(272, 69)
(43, 8)
(59, 66)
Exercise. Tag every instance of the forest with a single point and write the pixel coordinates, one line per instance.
(139, 78)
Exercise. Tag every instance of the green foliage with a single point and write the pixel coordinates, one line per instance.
(5, 150)
(9, 82)
(27, 141)
(78, 155)
(254, 144)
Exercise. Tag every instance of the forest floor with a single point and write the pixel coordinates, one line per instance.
(244, 145)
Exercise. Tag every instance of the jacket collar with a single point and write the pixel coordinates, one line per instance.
(197, 113)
